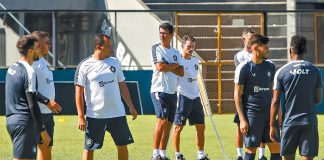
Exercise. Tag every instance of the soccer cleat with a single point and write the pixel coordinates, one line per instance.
(263, 158)
(239, 158)
(204, 158)
(180, 157)
(165, 158)
(156, 158)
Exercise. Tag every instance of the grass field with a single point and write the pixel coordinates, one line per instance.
(68, 143)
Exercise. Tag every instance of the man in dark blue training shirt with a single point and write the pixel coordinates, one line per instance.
(24, 123)
(301, 83)
(252, 94)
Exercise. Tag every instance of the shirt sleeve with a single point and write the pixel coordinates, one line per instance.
(156, 55)
(319, 82)
(30, 80)
(120, 76)
(80, 76)
(277, 82)
(240, 74)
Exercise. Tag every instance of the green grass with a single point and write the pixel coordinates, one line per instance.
(68, 140)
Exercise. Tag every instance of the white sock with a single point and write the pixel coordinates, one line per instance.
(239, 152)
(261, 152)
(163, 153)
(201, 154)
(177, 154)
(156, 153)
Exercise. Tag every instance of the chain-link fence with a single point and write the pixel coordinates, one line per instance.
(218, 36)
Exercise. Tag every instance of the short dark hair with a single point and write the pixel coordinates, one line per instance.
(187, 38)
(40, 34)
(98, 40)
(25, 43)
(168, 26)
(247, 30)
(258, 39)
(298, 44)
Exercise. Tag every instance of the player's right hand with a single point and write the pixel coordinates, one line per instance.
(244, 127)
(273, 134)
(45, 138)
(82, 123)
(133, 112)
(54, 107)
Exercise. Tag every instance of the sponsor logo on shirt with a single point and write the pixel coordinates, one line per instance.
(299, 71)
(48, 81)
(191, 80)
(112, 69)
(103, 83)
(259, 89)
(196, 67)
(269, 74)
(175, 58)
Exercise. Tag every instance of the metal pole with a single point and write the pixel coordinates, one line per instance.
(53, 40)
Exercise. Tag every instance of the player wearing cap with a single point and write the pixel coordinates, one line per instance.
(301, 83)
(24, 121)
(100, 80)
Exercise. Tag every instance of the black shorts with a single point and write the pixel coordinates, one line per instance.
(191, 109)
(165, 105)
(259, 129)
(96, 129)
(236, 118)
(24, 141)
(303, 136)
(49, 124)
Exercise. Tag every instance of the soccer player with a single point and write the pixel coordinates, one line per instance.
(45, 87)
(24, 121)
(301, 83)
(189, 104)
(166, 69)
(242, 56)
(101, 80)
(252, 94)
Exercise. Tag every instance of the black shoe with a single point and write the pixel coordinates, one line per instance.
(180, 157)
(157, 158)
(263, 158)
(204, 158)
(165, 158)
(239, 158)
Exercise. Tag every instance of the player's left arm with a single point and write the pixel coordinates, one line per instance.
(318, 90)
(126, 96)
(50, 103)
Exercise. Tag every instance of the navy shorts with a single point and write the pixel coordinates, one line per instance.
(189, 109)
(165, 105)
(96, 129)
(304, 136)
(48, 122)
(24, 142)
(259, 129)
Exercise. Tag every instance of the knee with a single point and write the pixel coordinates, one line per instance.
(200, 128)
(178, 128)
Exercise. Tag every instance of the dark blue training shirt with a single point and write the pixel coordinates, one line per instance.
(298, 81)
(20, 79)
(257, 81)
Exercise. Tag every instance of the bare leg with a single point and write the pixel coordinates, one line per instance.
(176, 137)
(122, 152)
(88, 154)
(44, 152)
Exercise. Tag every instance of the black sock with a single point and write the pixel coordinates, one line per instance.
(275, 156)
(249, 156)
